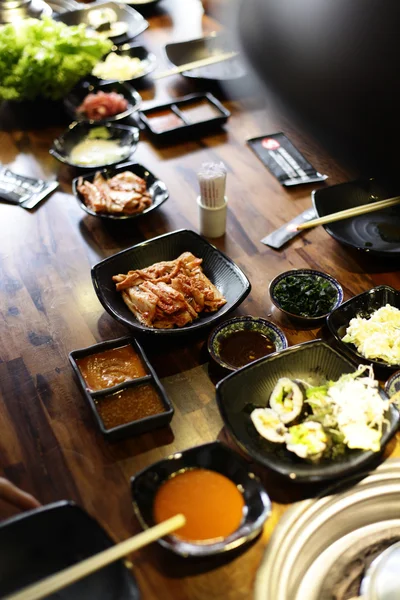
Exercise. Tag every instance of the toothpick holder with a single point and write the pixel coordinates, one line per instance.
(212, 221)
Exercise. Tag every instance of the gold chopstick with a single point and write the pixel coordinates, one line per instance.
(350, 212)
(203, 62)
(56, 582)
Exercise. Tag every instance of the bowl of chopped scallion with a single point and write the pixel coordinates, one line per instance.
(306, 294)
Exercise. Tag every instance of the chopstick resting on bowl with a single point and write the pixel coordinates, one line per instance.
(56, 582)
(351, 212)
(203, 62)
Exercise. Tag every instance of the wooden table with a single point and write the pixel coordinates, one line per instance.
(49, 444)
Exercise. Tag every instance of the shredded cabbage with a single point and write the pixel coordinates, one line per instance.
(46, 58)
(378, 336)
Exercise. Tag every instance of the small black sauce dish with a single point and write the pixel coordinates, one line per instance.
(136, 24)
(250, 387)
(244, 324)
(148, 62)
(317, 276)
(219, 268)
(189, 116)
(362, 305)
(215, 457)
(126, 137)
(41, 542)
(157, 189)
(133, 428)
(75, 98)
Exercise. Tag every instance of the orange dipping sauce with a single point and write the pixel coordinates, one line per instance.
(111, 367)
(211, 503)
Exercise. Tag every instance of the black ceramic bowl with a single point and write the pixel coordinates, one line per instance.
(39, 543)
(75, 98)
(148, 61)
(221, 270)
(180, 53)
(317, 275)
(135, 21)
(135, 427)
(127, 137)
(156, 187)
(378, 232)
(314, 362)
(215, 457)
(362, 305)
(246, 323)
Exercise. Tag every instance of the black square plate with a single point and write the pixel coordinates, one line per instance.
(156, 187)
(39, 543)
(135, 427)
(216, 457)
(362, 305)
(314, 362)
(135, 21)
(221, 270)
(378, 232)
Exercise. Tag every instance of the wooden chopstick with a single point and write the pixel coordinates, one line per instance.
(56, 582)
(203, 62)
(350, 212)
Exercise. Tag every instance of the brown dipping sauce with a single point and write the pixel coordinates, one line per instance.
(111, 367)
(164, 121)
(129, 404)
(242, 347)
(211, 503)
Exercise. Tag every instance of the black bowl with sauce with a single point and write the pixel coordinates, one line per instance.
(214, 457)
(122, 390)
(242, 340)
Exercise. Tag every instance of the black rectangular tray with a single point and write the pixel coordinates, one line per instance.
(135, 427)
(189, 129)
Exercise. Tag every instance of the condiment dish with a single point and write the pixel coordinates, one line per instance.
(75, 98)
(324, 284)
(314, 362)
(94, 398)
(41, 542)
(219, 268)
(362, 305)
(276, 340)
(157, 189)
(125, 137)
(148, 62)
(181, 53)
(135, 22)
(215, 457)
(377, 233)
(392, 386)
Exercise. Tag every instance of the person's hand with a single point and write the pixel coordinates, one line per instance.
(11, 494)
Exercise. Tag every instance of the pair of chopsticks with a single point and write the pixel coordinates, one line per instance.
(203, 62)
(351, 212)
(56, 582)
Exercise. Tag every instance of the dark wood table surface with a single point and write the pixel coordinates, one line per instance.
(49, 444)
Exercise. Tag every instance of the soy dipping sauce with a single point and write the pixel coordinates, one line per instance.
(242, 347)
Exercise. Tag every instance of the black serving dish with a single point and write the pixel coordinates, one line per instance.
(76, 132)
(156, 187)
(135, 21)
(245, 323)
(180, 53)
(39, 543)
(378, 232)
(362, 305)
(182, 118)
(316, 275)
(216, 457)
(314, 362)
(147, 59)
(219, 268)
(75, 98)
(135, 427)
